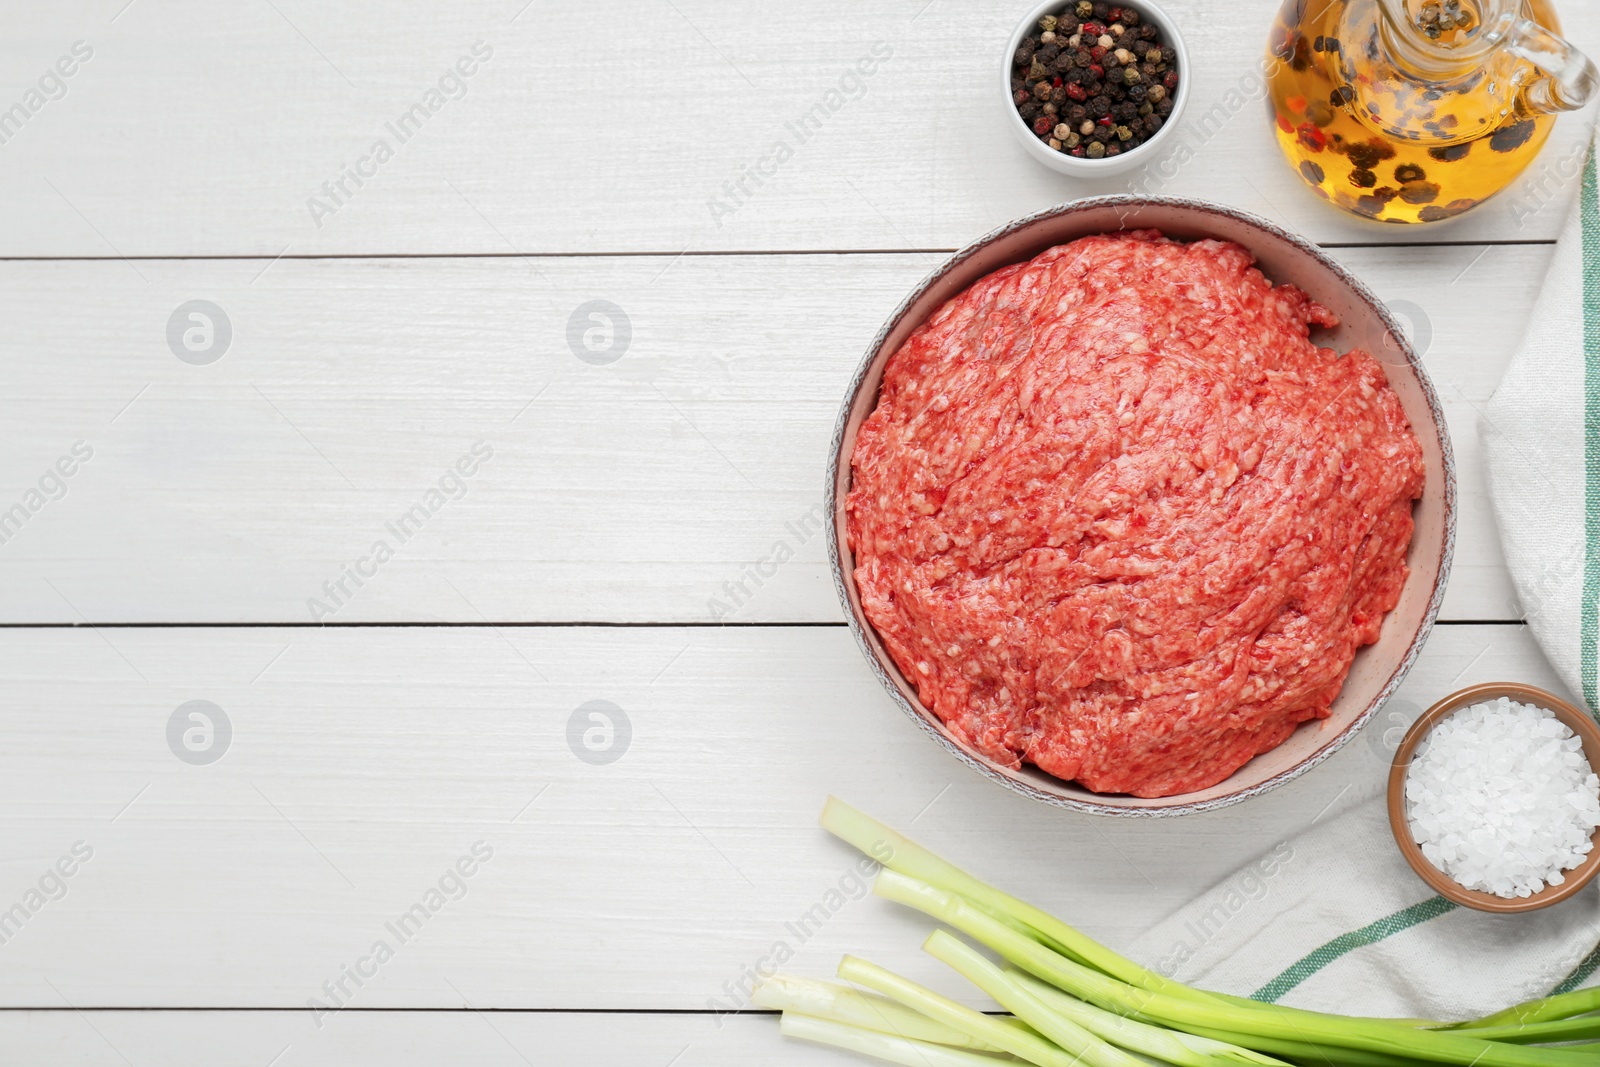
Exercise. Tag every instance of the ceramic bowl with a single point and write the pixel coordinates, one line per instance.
(1095, 168)
(1364, 323)
(1578, 722)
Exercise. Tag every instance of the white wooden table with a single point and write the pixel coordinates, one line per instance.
(379, 334)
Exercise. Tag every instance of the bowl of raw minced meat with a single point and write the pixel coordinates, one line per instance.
(1141, 506)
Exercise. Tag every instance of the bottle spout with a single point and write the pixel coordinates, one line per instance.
(1566, 79)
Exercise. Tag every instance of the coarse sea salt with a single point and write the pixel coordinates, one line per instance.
(1501, 798)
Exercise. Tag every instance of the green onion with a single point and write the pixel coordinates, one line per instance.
(1171, 1046)
(1078, 1004)
(1019, 1043)
(844, 1004)
(907, 857)
(1021, 1002)
(1560, 1006)
(1316, 1055)
(1268, 1020)
(882, 1046)
(1554, 1030)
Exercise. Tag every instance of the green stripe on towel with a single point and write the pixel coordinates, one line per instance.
(1589, 626)
(1387, 926)
(1580, 974)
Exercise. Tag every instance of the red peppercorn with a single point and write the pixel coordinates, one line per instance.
(1092, 29)
(1077, 152)
(1097, 70)
(1077, 92)
(1098, 52)
(1056, 81)
(1311, 137)
(1021, 96)
(1106, 120)
(1170, 81)
(1043, 125)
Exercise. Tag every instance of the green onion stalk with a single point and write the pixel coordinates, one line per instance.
(1076, 1003)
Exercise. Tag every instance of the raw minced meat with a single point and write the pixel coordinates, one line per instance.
(1116, 515)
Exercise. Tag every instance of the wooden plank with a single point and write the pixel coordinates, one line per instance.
(615, 128)
(643, 490)
(401, 1039)
(363, 764)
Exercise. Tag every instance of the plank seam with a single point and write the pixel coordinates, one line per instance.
(662, 254)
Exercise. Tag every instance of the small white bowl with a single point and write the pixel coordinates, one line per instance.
(1084, 167)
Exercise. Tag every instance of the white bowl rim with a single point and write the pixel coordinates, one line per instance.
(926, 720)
(1063, 163)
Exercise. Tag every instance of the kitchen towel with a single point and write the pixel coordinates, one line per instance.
(1541, 436)
(1335, 920)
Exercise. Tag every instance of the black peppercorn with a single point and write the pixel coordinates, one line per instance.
(1419, 192)
(1370, 206)
(1362, 155)
(1512, 137)
(1107, 94)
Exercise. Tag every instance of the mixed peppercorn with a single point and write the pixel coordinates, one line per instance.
(1094, 81)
